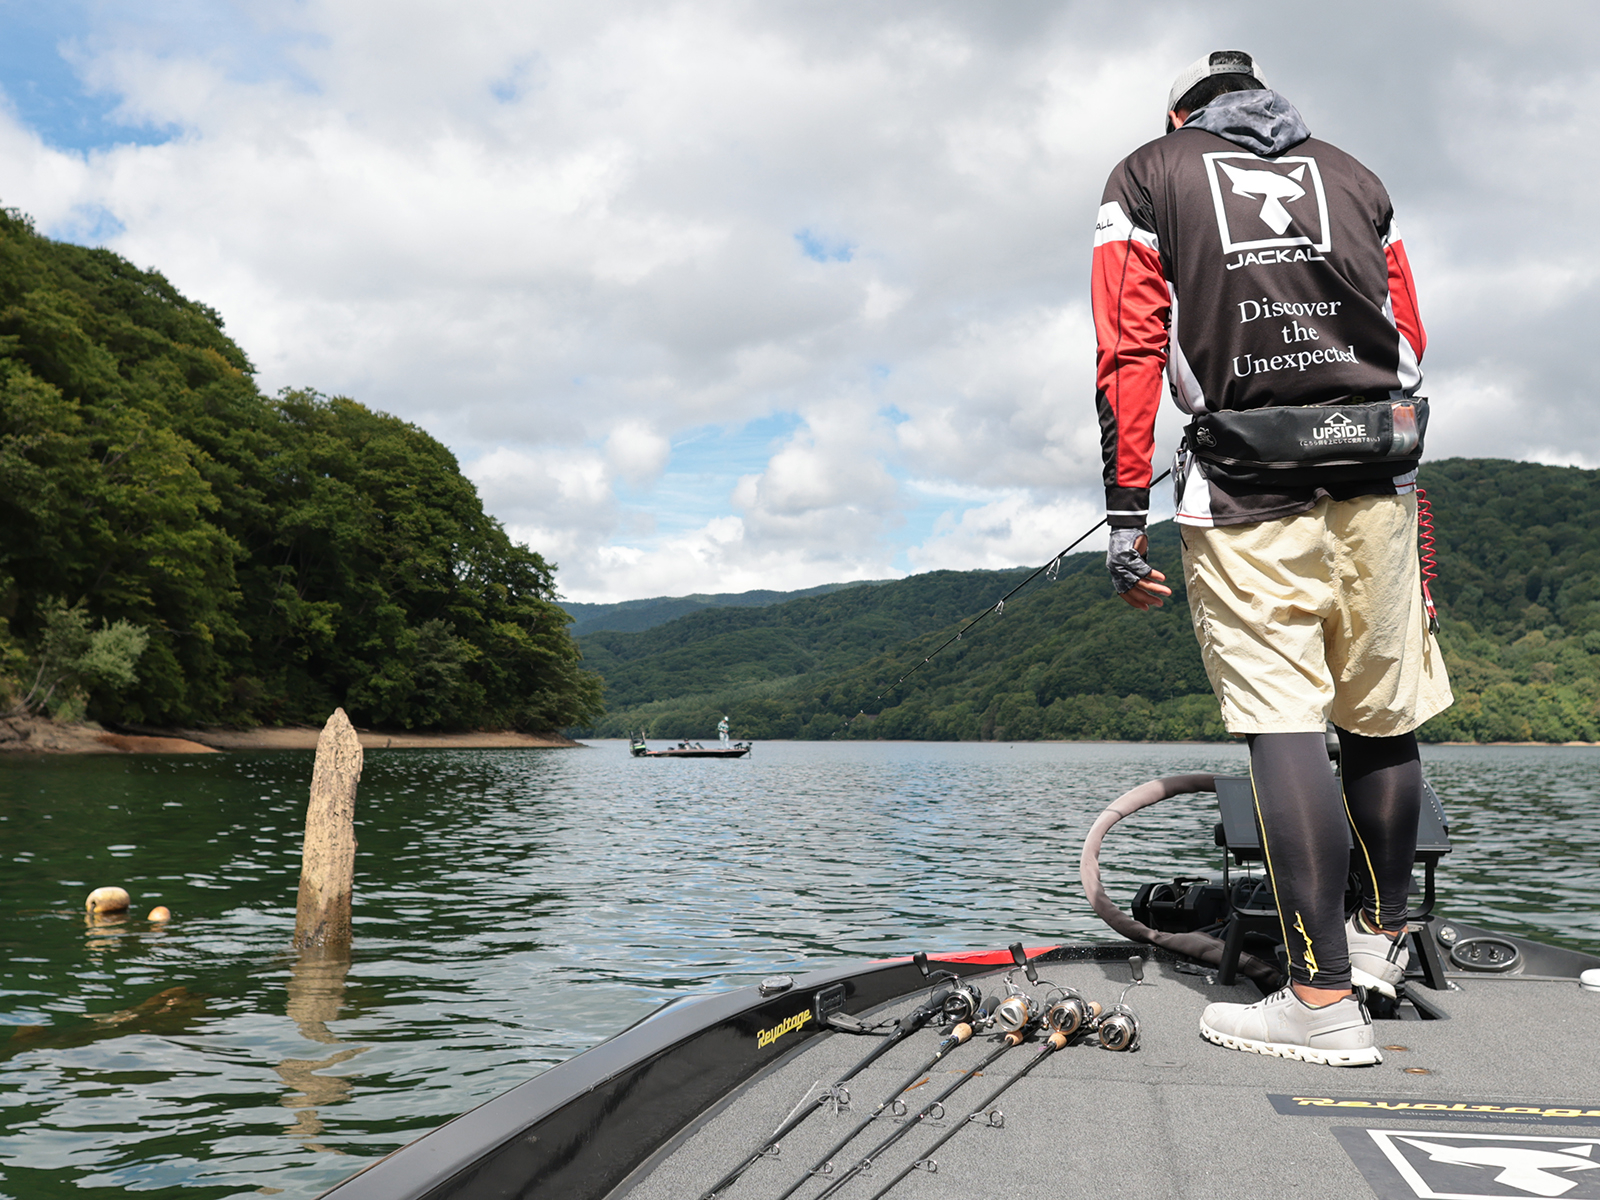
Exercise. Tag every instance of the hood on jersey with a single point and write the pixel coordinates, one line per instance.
(1260, 121)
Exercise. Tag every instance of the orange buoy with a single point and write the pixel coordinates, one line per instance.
(159, 914)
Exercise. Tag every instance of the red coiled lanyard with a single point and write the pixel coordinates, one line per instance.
(1429, 572)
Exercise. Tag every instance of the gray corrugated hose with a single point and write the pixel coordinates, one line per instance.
(1199, 946)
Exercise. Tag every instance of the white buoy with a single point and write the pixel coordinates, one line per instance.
(107, 900)
(1589, 981)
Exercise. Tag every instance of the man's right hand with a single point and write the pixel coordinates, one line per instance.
(1136, 581)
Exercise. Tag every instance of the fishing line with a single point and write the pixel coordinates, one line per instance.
(1053, 567)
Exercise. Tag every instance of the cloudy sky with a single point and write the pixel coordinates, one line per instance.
(748, 293)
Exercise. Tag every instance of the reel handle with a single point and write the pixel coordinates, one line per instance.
(1020, 957)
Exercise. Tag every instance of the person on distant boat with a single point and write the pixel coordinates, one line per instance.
(1263, 270)
(722, 731)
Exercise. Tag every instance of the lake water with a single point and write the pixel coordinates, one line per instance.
(515, 907)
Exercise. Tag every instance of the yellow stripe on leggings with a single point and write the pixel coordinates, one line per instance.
(1272, 878)
(1377, 897)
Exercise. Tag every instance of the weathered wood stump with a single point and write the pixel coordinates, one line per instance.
(328, 861)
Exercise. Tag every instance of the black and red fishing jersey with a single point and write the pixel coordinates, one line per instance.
(1257, 266)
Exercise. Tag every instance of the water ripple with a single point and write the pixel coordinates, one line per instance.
(514, 908)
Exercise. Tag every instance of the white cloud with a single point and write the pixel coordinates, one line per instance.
(1014, 528)
(1005, 400)
(563, 237)
(637, 452)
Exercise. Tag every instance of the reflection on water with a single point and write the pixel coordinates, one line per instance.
(316, 993)
(515, 907)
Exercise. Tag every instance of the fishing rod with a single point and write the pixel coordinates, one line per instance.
(1014, 1038)
(934, 1006)
(1069, 1016)
(960, 1034)
(994, 1117)
(1000, 606)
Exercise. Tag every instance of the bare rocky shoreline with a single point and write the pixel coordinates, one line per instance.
(37, 735)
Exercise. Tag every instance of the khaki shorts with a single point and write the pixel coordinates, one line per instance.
(1317, 617)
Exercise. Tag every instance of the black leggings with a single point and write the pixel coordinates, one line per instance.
(1304, 821)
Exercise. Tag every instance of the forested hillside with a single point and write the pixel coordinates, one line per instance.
(178, 548)
(1519, 593)
(1519, 596)
(634, 616)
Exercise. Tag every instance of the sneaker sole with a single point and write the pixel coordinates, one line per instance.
(1360, 979)
(1328, 1058)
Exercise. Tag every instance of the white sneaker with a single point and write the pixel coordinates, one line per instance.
(1284, 1026)
(1376, 961)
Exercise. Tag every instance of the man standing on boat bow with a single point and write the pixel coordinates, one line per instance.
(1261, 268)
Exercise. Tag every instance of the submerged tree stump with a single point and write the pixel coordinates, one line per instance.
(328, 861)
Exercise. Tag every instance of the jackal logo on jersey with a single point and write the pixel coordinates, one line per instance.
(1265, 204)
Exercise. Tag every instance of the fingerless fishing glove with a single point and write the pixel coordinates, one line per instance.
(1124, 559)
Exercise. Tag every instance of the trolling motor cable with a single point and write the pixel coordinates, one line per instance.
(999, 608)
(1200, 946)
(960, 1034)
(905, 1027)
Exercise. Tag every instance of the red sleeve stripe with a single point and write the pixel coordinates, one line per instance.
(1130, 318)
(1403, 297)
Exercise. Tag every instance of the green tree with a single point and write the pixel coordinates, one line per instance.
(74, 659)
(282, 555)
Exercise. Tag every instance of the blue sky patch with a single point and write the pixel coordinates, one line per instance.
(88, 225)
(47, 93)
(43, 88)
(819, 248)
(706, 463)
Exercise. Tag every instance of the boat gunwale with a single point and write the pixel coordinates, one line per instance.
(707, 1046)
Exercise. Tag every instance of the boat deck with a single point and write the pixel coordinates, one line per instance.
(1183, 1118)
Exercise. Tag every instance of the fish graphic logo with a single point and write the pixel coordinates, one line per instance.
(1525, 1168)
(1274, 190)
(1473, 1165)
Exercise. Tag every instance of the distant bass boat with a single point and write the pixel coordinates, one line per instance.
(723, 749)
